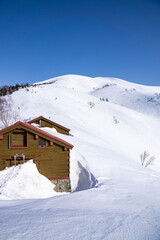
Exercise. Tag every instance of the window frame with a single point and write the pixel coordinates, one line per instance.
(42, 145)
(13, 134)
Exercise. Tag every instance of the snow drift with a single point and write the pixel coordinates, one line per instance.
(24, 181)
(80, 175)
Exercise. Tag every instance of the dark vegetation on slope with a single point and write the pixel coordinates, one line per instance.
(7, 90)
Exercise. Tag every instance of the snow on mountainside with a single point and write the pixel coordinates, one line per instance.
(144, 99)
(110, 135)
(140, 98)
(68, 100)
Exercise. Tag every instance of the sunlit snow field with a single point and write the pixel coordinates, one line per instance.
(112, 122)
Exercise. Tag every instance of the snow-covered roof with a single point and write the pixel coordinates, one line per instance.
(48, 120)
(37, 131)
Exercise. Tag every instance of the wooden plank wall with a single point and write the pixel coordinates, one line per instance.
(52, 161)
(48, 124)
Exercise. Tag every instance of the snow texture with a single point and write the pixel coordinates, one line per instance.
(112, 122)
(80, 175)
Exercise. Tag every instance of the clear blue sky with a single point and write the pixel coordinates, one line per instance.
(40, 39)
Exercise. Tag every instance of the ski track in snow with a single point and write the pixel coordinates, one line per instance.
(126, 203)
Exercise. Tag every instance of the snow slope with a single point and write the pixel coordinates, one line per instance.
(110, 135)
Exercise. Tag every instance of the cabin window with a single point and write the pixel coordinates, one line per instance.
(19, 139)
(42, 143)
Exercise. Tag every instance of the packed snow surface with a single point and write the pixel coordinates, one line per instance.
(112, 122)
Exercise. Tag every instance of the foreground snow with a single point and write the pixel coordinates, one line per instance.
(125, 205)
(116, 210)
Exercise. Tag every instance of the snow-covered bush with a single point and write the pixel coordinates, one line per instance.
(7, 115)
(145, 159)
(104, 99)
(91, 104)
(115, 120)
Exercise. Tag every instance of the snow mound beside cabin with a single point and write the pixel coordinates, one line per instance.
(24, 181)
(80, 175)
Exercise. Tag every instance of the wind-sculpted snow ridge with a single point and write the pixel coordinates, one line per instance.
(80, 175)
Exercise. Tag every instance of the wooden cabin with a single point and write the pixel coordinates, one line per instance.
(44, 122)
(21, 142)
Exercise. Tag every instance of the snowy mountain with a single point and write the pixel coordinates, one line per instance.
(112, 122)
